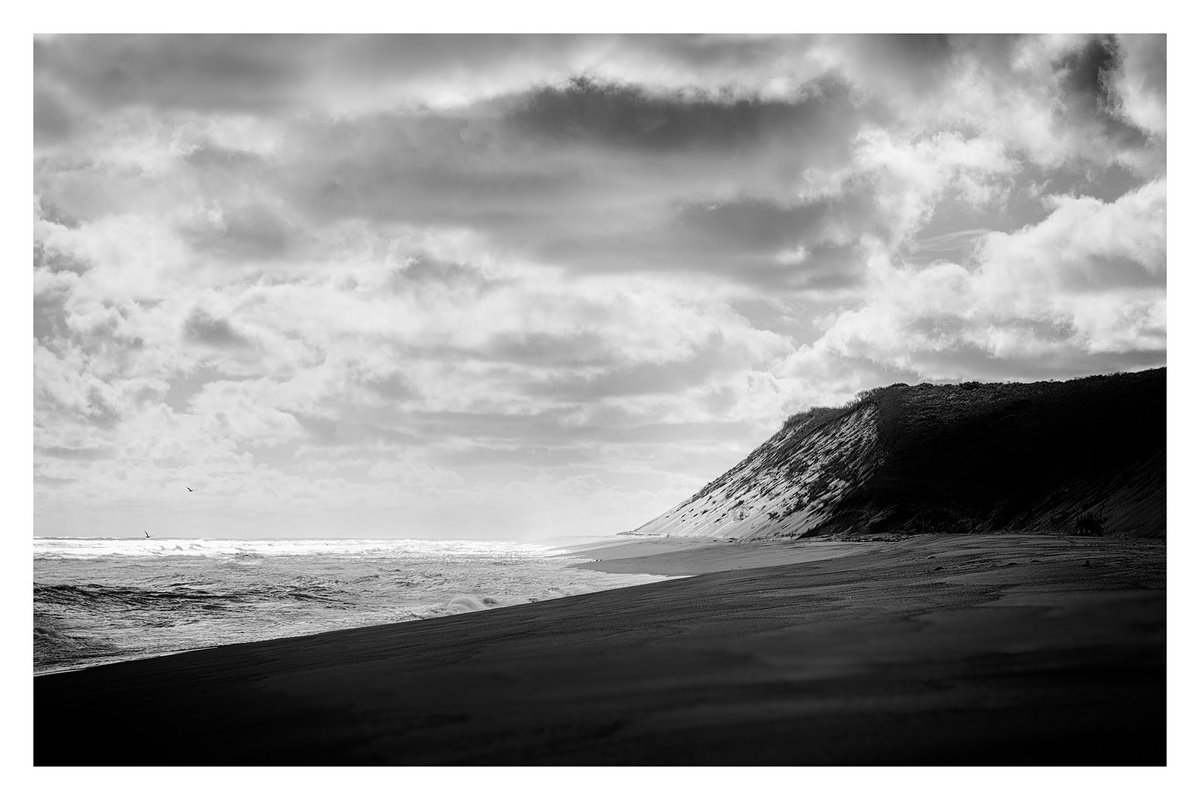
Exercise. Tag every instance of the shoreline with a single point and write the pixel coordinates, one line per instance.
(562, 553)
(630, 554)
(1013, 649)
(685, 557)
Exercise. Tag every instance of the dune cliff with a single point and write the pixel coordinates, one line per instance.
(1080, 456)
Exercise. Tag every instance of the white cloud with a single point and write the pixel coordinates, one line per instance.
(914, 174)
(1087, 281)
(374, 282)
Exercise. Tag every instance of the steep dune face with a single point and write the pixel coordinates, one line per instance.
(787, 487)
(1086, 455)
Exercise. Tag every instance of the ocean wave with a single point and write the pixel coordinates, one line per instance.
(471, 602)
(53, 646)
(137, 548)
(177, 598)
(169, 596)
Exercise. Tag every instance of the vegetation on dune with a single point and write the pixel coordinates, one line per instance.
(1084, 456)
(1006, 456)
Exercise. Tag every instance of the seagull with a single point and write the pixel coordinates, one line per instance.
(190, 489)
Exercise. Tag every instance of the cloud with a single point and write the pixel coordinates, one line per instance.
(579, 349)
(200, 72)
(379, 276)
(631, 379)
(276, 74)
(1071, 293)
(1139, 84)
(53, 122)
(627, 116)
(202, 328)
(84, 453)
(252, 233)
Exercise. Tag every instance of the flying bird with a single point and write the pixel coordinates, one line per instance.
(190, 489)
(147, 534)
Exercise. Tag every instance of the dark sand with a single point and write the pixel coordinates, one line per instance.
(681, 556)
(935, 650)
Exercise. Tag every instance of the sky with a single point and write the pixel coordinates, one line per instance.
(520, 287)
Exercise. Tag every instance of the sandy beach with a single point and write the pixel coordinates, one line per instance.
(1005, 649)
(682, 556)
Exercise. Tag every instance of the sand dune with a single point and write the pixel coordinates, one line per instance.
(1053, 456)
(933, 650)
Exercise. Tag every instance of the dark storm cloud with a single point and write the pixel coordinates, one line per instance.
(750, 240)
(420, 54)
(1078, 90)
(913, 50)
(990, 49)
(1087, 75)
(902, 68)
(822, 265)
(268, 75)
(727, 54)
(598, 176)
(512, 167)
(419, 168)
(203, 328)
(244, 73)
(629, 116)
(263, 74)
(918, 59)
(1089, 69)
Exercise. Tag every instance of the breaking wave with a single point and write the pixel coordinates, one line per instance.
(101, 600)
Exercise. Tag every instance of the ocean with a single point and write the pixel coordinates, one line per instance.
(98, 601)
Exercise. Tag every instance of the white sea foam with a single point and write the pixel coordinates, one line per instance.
(99, 600)
(328, 548)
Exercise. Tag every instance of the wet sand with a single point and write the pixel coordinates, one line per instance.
(681, 556)
(934, 650)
